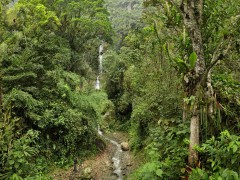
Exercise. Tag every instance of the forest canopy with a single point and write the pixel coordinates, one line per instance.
(170, 80)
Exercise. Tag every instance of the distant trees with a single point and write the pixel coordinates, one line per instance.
(124, 16)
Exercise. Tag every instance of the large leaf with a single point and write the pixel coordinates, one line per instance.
(182, 66)
(192, 60)
(159, 172)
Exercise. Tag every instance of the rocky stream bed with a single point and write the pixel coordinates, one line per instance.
(103, 166)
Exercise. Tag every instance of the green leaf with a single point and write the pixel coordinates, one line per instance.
(183, 170)
(16, 165)
(192, 60)
(213, 163)
(11, 162)
(16, 177)
(235, 175)
(5, 147)
(235, 148)
(159, 172)
(151, 166)
(26, 154)
(21, 160)
(182, 66)
(54, 146)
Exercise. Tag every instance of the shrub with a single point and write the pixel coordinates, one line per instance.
(221, 153)
(17, 155)
(166, 151)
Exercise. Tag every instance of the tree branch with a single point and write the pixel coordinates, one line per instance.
(216, 57)
(216, 54)
(156, 30)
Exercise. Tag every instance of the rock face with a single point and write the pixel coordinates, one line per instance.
(125, 146)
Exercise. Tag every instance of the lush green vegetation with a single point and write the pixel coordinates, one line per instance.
(48, 58)
(157, 92)
(171, 80)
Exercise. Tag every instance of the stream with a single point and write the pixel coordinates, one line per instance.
(116, 159)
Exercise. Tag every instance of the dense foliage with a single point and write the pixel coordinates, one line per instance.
(48, 58)
(148, 78)
(168, 65)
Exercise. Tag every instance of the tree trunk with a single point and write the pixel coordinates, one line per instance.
(194, 137)
(192, 16)
(184, 112)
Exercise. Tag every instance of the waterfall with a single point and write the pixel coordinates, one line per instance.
(100, 66)
(101, 48)
(97, 85)
(116, 159)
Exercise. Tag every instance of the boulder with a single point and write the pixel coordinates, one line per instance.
(125, 146)
(87, 170)
(86, 173)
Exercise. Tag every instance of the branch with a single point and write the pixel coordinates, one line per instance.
(199, 7)
(216, 57)
(156, 31)
(216, 54)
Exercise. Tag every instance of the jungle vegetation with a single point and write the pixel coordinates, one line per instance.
(171, 76)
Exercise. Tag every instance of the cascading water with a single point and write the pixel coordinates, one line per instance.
(116, 159)
(100, 67)
(100, 57)
(101, 48)
(100, 63)
(117, 156)
(99, 131)
(97, 85)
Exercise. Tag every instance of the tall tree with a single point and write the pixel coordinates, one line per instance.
(192, 16)
(206, 49)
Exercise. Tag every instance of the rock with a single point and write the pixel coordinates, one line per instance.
(107, 163)
(87, 170)
(87, 173)
(125, 146)
(129, 164)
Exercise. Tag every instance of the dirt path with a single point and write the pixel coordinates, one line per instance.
(100, 167)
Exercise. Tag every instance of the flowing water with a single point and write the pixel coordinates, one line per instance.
(100, 57)
(100, 66)
(116, 159)
(97, 85)
(100, 63)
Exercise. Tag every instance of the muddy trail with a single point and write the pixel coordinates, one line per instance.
(110, 164)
